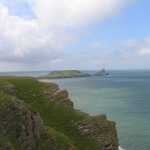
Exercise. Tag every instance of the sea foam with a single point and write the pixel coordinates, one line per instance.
(120, 148)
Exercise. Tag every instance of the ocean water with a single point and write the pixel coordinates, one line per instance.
(124, 96)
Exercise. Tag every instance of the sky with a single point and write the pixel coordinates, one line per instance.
(74, 34)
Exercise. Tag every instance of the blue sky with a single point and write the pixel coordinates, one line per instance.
(46, 35)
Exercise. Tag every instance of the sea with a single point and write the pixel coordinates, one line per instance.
(124, 96)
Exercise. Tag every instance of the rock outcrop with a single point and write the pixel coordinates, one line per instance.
(61, 97)
(18, 122)
(53, 93)
(23, 129)
(100, 129)
(102, 72)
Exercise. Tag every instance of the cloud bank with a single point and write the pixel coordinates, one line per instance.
(75, 12)
(42, 37)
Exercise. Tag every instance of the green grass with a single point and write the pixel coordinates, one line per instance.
(66, 74)
(59, 119)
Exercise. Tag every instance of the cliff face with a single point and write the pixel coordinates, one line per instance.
(23, 129)
(56, 95)
(40, 116)
(19, 123)
(102, 130)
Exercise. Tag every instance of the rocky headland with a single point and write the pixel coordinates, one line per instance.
(40, 116)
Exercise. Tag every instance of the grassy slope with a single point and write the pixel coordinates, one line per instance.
(66, 74)
(61, 119)
(15, 121)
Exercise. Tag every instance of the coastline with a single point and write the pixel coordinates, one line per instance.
(141, 78)
(52, 81)
(52, 115)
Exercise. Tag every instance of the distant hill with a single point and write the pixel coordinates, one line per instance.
(66, 74)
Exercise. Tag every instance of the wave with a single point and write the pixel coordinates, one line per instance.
(120, 148)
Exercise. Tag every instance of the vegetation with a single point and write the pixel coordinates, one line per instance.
(66, 74)
(31, 119)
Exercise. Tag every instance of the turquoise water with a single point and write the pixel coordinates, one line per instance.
(123, 96)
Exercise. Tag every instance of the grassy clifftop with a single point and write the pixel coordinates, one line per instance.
(66, 74)
(38, 116)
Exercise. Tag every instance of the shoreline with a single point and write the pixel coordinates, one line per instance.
(52, 80)
(120, 148)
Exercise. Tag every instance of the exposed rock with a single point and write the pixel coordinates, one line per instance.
(102, 130)
(53, 93)
(62, 98)
(101, 73)
(17, 121)
(25, 128)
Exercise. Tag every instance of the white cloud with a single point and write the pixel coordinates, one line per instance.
(144, 51)
(140, 47)
(75, 12)
(39, 39)
(21, 39)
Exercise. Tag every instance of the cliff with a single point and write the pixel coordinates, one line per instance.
(40, 116)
